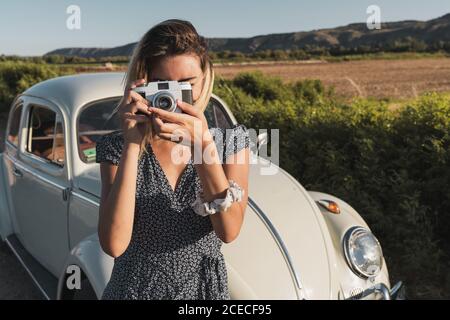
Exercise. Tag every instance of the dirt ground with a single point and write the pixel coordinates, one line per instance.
(396, 79)
(15, 283)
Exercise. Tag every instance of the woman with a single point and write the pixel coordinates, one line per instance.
(162, 219)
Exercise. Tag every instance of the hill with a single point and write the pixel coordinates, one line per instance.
(416, 34)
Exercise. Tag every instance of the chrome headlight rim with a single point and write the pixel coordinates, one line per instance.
(345, 244)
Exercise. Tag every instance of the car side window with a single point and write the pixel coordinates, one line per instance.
(14, 126)
(58, 154)
(95, 120)
(45, 135)
(216, 115)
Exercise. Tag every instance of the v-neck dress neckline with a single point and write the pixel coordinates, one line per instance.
(163, 176)
(173, 253)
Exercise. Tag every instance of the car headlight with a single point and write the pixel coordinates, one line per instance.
(363, 252)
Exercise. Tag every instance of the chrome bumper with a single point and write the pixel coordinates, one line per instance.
(380, 289)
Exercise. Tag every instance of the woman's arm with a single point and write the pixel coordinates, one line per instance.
(214, 178)
(192, 126)
(117, 203)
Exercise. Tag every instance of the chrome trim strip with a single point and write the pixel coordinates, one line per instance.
(7, 142)
(16, 164)
(26, 268)
(280, 244)
(79, 195)
(43, 161)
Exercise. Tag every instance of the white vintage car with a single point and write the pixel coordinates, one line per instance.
(294, 244)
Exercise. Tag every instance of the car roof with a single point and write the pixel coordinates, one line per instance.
(74, 91)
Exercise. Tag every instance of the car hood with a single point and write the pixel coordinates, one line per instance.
(298, 220)
(294, 215)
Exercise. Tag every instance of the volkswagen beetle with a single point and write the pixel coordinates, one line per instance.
(294, 243)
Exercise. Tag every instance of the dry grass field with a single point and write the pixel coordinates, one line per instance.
(394, 79)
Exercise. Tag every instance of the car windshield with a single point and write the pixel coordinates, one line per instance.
(98, 118)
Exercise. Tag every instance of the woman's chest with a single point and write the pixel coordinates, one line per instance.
(154, 188)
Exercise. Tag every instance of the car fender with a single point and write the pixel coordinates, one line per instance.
(339, 222)
(338, 225)
(93, 262)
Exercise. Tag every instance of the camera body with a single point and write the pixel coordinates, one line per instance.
(164, 94)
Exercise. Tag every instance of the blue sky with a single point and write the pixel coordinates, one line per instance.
(30, 27)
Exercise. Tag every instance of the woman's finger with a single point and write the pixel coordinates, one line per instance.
(167, 115)
(167, 127)
(134, 96)
(135, 83)
(139, 107)
(171, 137)
(138, 82)
(156, 122)
(129, 89)
(187, 108)
(166, 136)
(134, 105)
(138, 117)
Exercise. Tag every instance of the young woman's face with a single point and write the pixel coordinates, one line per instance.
(183, 67)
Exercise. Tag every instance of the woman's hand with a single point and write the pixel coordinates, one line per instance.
(189, 128)
(133, 125)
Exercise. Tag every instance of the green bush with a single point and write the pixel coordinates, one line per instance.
(16, 77)
(392, 167)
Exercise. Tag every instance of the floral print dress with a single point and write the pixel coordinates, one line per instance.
(174, 253)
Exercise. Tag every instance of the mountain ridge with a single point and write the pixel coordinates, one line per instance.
(352, 35)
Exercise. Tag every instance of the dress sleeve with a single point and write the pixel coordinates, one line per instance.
(109, 148)
(236, 139)
(231, 140)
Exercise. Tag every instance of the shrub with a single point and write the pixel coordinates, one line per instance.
(16, 77)
(392, 167)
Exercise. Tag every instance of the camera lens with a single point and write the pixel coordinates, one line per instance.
(164, 102)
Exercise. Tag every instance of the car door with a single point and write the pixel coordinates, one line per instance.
(8, 222)
(39, 186)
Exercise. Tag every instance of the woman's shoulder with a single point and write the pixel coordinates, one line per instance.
(231, 140)
(109, 147)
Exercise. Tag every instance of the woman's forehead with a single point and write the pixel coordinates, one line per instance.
(176, 68)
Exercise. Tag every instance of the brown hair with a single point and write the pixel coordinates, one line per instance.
(170, 37)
